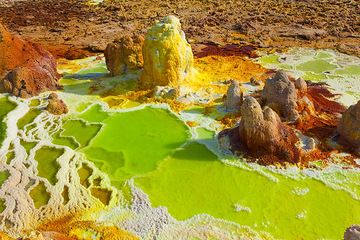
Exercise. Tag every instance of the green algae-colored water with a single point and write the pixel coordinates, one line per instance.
(155, 148)
(132, 143)
(47, 163)
(217, 189)
(28, 118)
(40, 195)
(5, 107)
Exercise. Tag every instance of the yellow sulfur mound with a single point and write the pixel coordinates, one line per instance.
(168, 59)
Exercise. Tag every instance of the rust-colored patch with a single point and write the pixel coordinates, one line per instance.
(69, 226)
(227, 50)
(321, 97)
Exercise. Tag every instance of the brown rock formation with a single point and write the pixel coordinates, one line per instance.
(56, 106)
(349, 127)
(301, 85)
(234, 96)
(263, 134)
(352, 233)
(279, 93)
(124, 54)
(26, 69)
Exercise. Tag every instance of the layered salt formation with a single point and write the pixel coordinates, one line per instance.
(124, 54)
(349, 127)
(168, 58)
(262, 133)
(26, 69)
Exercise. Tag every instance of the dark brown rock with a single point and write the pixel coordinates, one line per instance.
(124, 54)
(263, 134)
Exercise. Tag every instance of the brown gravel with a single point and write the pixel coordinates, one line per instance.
(65, 26)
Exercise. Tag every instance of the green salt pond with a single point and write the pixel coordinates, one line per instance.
(81, 131)
(47, 163)
(40, 195)
(5, 107)
(193, 181)
(155, 148)
(28, 118)
(132, 143)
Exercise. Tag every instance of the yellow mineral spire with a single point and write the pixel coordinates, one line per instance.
(168, 59)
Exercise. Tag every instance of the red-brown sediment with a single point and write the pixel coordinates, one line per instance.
(227, 50)
(265, 24)
(319, 115)
(26, 69)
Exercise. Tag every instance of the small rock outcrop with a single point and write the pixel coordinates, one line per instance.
(168, 58)
(349, 127)
(352, 233)
(165, 92)
(301, 85)
(234, 96)
(56, 106)
(124, 54)
(255, 81)
(26, 69)
(280, 94)
(263, 134)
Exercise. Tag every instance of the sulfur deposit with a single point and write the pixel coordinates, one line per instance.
(26, 69)
(349, 127)
(280, 94)
(124, 54)
(168, 58)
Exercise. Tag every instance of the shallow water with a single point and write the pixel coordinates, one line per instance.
(248, 198)
(98, 157)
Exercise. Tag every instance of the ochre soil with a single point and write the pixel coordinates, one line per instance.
(74, 29)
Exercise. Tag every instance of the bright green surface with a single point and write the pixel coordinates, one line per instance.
(2, 205)
(39, 195)
(269, 59)
(94, 114)
(3, 176)
(316, 66)
(47, 164)
(28, 118)
(132, 143)
(28, 145)
(193, 181)
(82, 132)
(65, 141)
(5, 107)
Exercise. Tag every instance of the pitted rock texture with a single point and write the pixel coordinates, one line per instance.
(349, 127)
(26, 69)
(263, 134)
(234, 97)
(168, 58)
(280, 94)
(352, 233)
(124, 54)
(56, 106)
